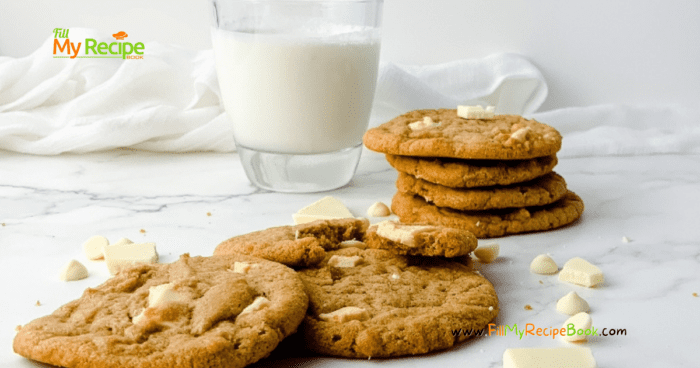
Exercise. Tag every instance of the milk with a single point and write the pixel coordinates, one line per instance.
(296, 94)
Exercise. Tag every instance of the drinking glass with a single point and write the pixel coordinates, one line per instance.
(297, 79)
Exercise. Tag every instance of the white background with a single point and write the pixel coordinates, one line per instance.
(590, 52)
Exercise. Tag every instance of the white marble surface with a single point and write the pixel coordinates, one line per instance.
(50, 205)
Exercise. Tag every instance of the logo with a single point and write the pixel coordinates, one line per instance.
(63, 47)
(120, 35)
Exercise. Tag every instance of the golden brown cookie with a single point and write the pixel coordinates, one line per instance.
(424, 240)
(296, 246)
(491, 223)
(505, 137)
(389, 305)
(539, 192)
(458, 173)
(196, 312)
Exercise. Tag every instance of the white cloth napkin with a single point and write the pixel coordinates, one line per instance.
(170, 102)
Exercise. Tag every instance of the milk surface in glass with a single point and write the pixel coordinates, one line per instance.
(295, 93)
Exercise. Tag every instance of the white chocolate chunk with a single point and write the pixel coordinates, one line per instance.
(476, 112)
(326, 208)
(578, 271)
(626, 239)
(378, 209)
(426, 123)
(577, 327)
(345, 314)
(121, 256)
(344, 261)
(163, 294)
(572, 304)
(93, 247)
(257, 304)
(243, 267)
(400, 233)
(353, 244)
(520, 134)
(487, 253)
(140, 318)
(549, 358)
(72, 271)
(543, 265)
(395, 276)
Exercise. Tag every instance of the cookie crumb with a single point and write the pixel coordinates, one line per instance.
(695, 295)
(541, 282)
(528, 307)
(38, 303)
(3, 224)
(143, 231)
(208, 213)
(626, 239)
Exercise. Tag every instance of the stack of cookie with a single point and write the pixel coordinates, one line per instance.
(491, 175)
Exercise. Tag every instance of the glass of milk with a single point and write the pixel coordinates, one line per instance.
(297, 79)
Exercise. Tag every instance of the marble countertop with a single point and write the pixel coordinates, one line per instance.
(49, 205)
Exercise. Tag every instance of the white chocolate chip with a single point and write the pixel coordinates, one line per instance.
(580, 272)
(520, 134)
(490, 308)
(93, 247)
(581, 322)
(257, 304)
(476, 112)
(163, 294)
(140, 318)
(243, 267)
(378, 209)
(487, 253)
(345, 314)
(326, 208)
(426, 123)
(72, 271)
(543, 265)
(121, 256)
(400, 233)
(353, 244)
(572, 304)
(344, 261)
(548, 357)
(625, 239)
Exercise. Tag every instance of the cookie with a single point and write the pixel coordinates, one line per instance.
(491, 223)
(539, 192)
(389, 305)
(196, 312)
(296, 246)
(457, 173)
(505, 137)
(425, 240)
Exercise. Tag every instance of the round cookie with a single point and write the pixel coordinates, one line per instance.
(301, 245)
(491, 223)
(505, 137)
(227, 311)
(389, 305)
(539, 192)
(457, 173)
